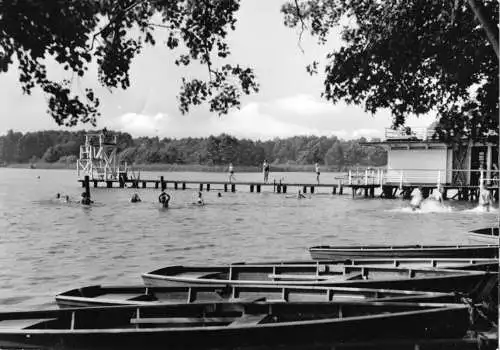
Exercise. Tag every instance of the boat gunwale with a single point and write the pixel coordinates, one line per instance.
(393, 294)
(448, 275)
(403, 247)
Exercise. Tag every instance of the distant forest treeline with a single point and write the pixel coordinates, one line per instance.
(64, 146)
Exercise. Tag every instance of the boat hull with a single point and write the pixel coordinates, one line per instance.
(484, 236)
(352, 252)
(409, 322)
(477, 284)
(140, 295)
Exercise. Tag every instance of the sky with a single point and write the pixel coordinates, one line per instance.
(287, 104)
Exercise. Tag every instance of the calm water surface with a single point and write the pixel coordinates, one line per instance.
(47, 246)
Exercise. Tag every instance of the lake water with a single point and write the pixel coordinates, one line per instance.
(47, 246)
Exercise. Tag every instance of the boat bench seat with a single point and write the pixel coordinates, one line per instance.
(248, 320)
(282, 276)
(353, 276)
(348, 276)
(182, 320)
(24, 323)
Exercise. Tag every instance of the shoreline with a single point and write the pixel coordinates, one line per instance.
(192, 167)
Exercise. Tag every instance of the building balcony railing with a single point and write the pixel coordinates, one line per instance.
(409, 134)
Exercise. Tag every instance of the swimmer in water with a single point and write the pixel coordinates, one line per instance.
(199, 200)
(58, 196)
(416, 199)
(86, 199)
(164, 198)
(135, 198)
(300, 195)
(219, 195)
(66, 198)
(437, 195)
(485, 199)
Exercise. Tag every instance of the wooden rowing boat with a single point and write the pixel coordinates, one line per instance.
(484, 235)
(481, 264)
(439, 280)
(207, 325)
(480, 342)
(405, 251)
(141, 295)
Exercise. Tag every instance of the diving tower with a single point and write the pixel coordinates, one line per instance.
(98, 157)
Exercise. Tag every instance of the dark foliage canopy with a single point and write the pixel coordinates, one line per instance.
(64, 147)
(74, 33)
(411, 57)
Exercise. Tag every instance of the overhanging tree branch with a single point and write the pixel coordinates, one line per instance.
(490, 28)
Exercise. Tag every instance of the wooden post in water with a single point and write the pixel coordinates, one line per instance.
(176, 185)
(284, 188)
(258, 188)
(304, 189)
(233, 188)
(95, 183)
(208, 187)
(312, 189)
(278, 188)
(109, 184)
(225, 187)
(163, 185)
(251, 188)
(201, 187)
(183, 185)
(156, 184)
(144, 184)
(86, 184)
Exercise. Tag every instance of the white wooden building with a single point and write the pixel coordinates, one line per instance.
(415, 157)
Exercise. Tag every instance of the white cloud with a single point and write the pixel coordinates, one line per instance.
(304, 104)
(140, 124)
(261, 120)
(251, 122)
(367, 133)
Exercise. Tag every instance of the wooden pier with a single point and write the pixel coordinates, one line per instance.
(390, 191)
(226, 186)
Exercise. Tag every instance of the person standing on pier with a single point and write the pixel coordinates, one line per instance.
(164, 199)
(265, 168)
(316, 166)
(231, 172)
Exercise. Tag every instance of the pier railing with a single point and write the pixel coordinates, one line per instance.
(407, 177)
(408, 133)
